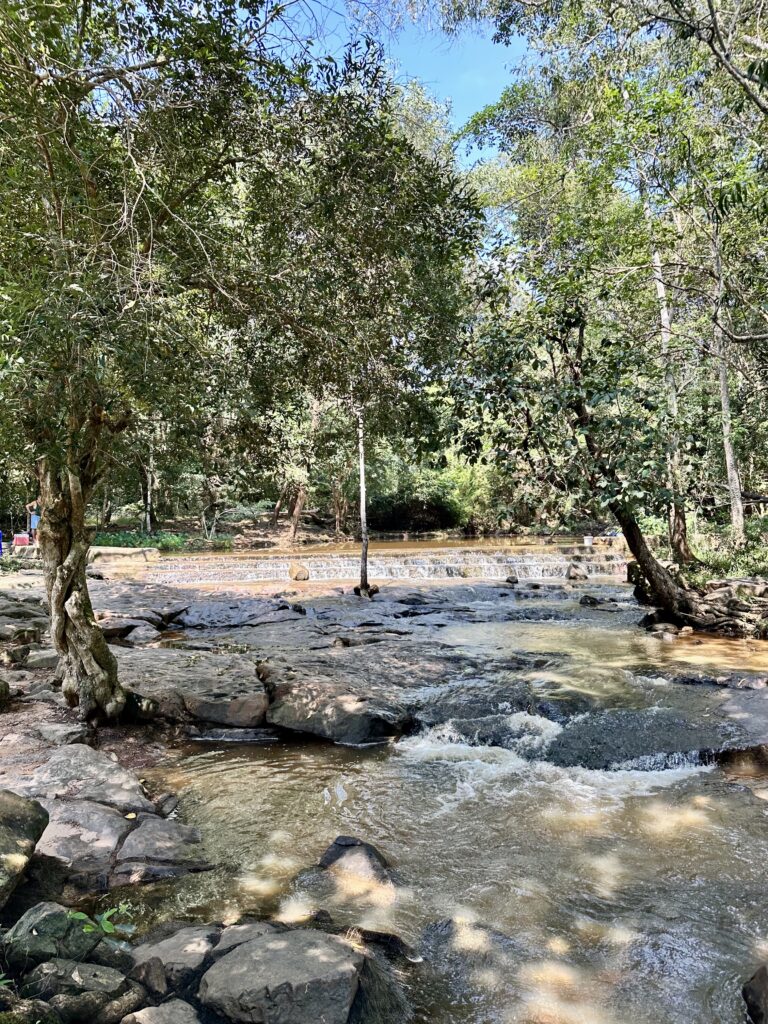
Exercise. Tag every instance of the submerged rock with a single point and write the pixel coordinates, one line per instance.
(295, 977)
(348, 855)
(652, 738)
(22, 823)
(159, 848)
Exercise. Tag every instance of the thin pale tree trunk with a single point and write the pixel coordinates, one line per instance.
(87, 666)
(363, 505)
(731, 463)
(298, 508)
(677, 526)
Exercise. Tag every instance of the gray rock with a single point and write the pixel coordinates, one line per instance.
(653, 738)
(61, 734)
(348, 855)
(296, 977)
(26, 1011)
(144, 634)
(67, 977)
(151, 974)
(159, 848)
(78, 772)
(174, 1012)
(182, 954)
(755, 995)
(237, 934)
(48, 659)
(46, 932)
(84, 837)
(114, 626)
(22, 822)
(335, 713)
(576, 572)
(250, 611)
(5, 691)
(222, 689)
(96, 1007)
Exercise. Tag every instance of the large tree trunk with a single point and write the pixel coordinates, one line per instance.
(86, 664)
(731, 464)
(364, 586)
(677, 526)
(666, 592)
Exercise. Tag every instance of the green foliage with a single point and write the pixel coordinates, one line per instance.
(113, 922)
(163, 540)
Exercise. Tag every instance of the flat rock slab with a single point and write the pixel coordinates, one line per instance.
(78, 772)
(248, 611)
(223, 689)
(176, 1011)
(296, 977)
(57, 977)
(182, 953)
(22, 823)
(158, 848)
(84, 837)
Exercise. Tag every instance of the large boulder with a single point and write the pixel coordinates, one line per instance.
(78, 772)
(296, 977)
(84, 837)
(47, 932)
(298, 572)
(335, 713)
(182, 953)
(220, 688)
(576, 572)
(22, 822)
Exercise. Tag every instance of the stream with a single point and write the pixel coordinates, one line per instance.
(533, 892)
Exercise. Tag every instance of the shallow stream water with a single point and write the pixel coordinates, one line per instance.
(574, 896)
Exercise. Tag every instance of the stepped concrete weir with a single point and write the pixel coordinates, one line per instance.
(390, 561)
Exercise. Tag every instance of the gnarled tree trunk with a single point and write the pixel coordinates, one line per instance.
(86, 663)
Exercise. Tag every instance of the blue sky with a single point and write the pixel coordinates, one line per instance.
(470, 71)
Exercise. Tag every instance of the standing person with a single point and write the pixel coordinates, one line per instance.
(34, 508)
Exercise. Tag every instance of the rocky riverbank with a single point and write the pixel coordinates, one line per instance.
(76, 820)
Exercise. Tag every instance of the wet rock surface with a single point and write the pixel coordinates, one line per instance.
(300, 977)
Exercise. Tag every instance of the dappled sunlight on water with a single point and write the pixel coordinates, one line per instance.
(574, 895)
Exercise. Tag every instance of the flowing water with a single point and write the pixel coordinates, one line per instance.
(534, 893)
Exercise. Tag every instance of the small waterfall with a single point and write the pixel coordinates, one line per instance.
(450, 562)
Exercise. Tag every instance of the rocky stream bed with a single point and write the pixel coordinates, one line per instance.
(463, 802)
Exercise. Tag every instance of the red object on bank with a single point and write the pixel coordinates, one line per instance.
(21, 540)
